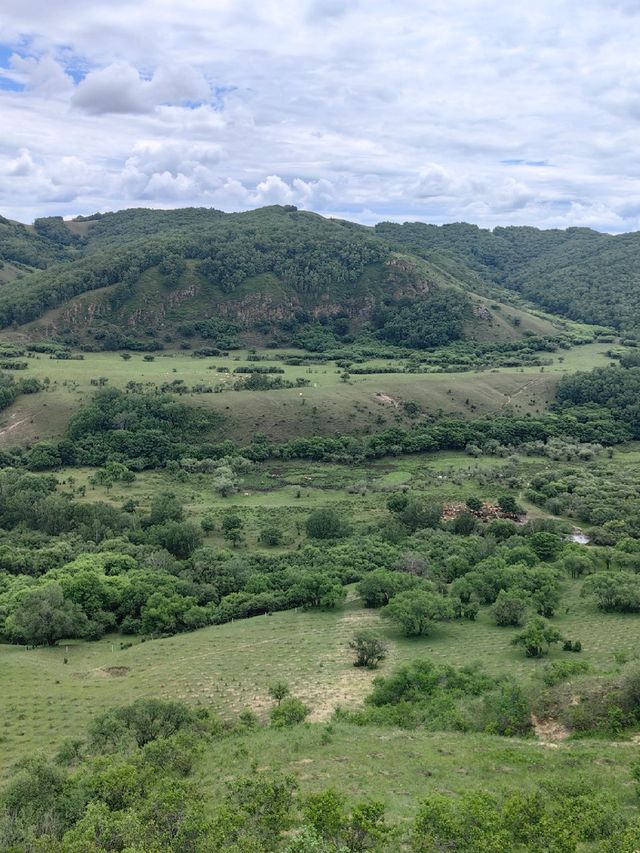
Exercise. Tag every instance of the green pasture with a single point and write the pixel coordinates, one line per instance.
(327, 406)
(284, 493)
(399, 767)
(229, 667)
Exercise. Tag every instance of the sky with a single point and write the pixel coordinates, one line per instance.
(495, 113)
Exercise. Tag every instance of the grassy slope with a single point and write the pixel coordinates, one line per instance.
(328, 406)
(400, 767)
(43, 700)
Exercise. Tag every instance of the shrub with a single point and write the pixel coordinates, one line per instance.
(510, 608)
(415, 611)
(271, 536)
(537, 637)
(561, 670)
(369, 649)
(289, 712)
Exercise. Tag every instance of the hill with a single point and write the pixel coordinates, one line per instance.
(143, 279)
(578, 273)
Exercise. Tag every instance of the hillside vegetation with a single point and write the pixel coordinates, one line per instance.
(577, 272)
(312, 541)
(147, 279)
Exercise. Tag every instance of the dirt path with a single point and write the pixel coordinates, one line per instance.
(525, 387)
(11, 427)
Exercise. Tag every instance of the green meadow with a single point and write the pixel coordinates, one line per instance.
(326, 406)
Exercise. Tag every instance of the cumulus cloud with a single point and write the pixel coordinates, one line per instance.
(40, 75)
(119, 88)
(434, 181)
(440, 111)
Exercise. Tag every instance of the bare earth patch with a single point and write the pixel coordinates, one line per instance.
(116, 670)
(384, 398)
(349, 690)
(550, 733)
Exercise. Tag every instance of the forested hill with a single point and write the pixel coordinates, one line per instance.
(578, 273)
(142, 278)
(136, 274)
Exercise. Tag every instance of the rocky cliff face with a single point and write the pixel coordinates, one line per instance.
(399, 278)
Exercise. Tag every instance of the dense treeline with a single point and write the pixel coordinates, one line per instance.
(617, 388)
(428, 322)
(34, 248)
(579, 273)
(71, 568)
(147, 430)
(609, 504)
(10, 389)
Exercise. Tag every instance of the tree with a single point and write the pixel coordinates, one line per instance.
(377, 588)
(416, 610)
(224, 481)
(417, 515)
(44, 455)
(412, 562)
(43, 616)
(165, 507)
(369, 649)
(208, 524)
(279, 691)
(546, 545)
(614, 591)
(325, 524)
(509, 608)
(463, 524)
(317, 589)
(576, 565)
(537, 637)
(232, 527)
(271, 536)
(144, 720)
(397, 502)
(179, 538)
(509, 505)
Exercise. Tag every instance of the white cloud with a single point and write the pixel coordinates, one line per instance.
(115, 89)
(119, 88)
(439, 110)
(20, 166)
(43, 76)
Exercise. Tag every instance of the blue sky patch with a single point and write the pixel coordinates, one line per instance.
(7, 85)
(517, 162)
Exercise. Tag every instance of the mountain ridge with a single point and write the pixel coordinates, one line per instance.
(265, 271)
